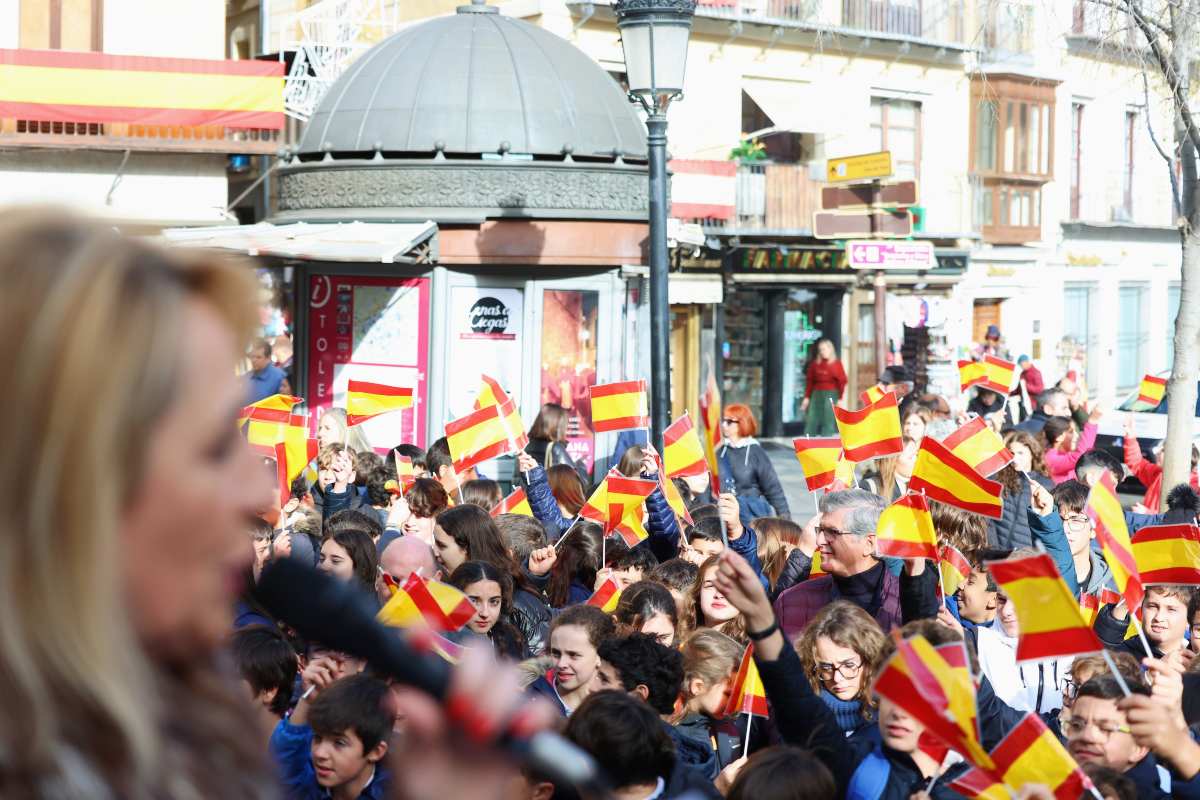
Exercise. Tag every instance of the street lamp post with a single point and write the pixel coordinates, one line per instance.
(654, 36)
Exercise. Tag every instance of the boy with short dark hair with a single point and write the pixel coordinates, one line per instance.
(1092, 572)
(632, 566)
(332, 746)
(703, 540)
(1165, 622)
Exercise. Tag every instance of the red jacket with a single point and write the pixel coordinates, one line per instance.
(1149, 473)
(821, 375)
(1034, 383)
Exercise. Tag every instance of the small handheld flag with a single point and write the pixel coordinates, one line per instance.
(991, 373)
(365, 400)
(980, 446)
(267, 420)
(871, 395)
(946, 478)
(625, 499)
(1168, 554)
(479, 436)
(746, 693)
(1051, 623)
(872, 431)
(1150, 393)
(425, 602)
(710, 436)
(1090, 604)
(606, 597)
(905, 530)
(683, 455)
(292, 455)
(1106, 514)
(1029, 754)
(515, 503)
(818, 459)
(970, 373)
(620, 406)
(406, 473)
(955, 568)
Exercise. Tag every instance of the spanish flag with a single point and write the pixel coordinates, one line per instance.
(946, 478)
(815, 570)
(620, 406)
(818, 460)
(921, 682)
(1106, 514)
(366, 400)
(606, 597)
(1090, 604)
(980, 446)
(267, 420)
(1150, 393)
(295, 452)
(515, 503)
(491, 394)
(746, 693)
(843, 475)
(871, 395)
(872, 431)
(1051, 622)
(421, 601)
(1029, 753)
(596, 507)
(970, 373)
(998, 374)
(270, 409)
(406, 473)
(955, 568)
(625, 499)
(905, 530)
(428, 641)
(674, 498)
(1167, 554)
(710, 436)
(479, 436)
(683, 454)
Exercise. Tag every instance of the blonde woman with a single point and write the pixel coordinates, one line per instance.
(840, 649)
(120, 361)
(332, 429)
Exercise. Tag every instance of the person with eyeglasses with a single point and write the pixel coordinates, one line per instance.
(840, 651)
(1098, 732)
(846, 540)
(1092, 572)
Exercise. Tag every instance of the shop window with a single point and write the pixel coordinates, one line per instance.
(1132, 335)
(780, 147)
(1078, 348)
(896, 126)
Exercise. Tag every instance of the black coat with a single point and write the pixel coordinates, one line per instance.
(753, 475)
(548, 454)
(531, 617)
(1012, 529)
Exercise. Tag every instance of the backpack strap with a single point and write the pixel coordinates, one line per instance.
(870, 776)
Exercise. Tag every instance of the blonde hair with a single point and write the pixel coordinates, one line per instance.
(710, 656)
(352, 438)
(773, 533)
(73, 674)
(849, 626)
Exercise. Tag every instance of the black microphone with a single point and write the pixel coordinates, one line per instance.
(329, 611)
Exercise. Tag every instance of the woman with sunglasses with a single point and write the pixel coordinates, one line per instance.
(743, 460)
(840, 651)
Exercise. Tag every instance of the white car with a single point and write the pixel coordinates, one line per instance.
(1149, 426)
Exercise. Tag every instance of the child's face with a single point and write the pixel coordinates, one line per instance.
(1078, 528)
(1008, 617)
(899, 730)
(624, 577)
(975, 602)
(339, 759)
(575, 658)
(699, 549)
(1164, 618)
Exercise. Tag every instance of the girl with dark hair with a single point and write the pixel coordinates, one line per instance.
(573, 576)
(1028, 456)
(490, 590)
(575, 639)
(548, 440)
(783, 773)
(711, 608)
(482, 492)
(468, 533)
(567, 488)
(1065, 445)
(648, 607)
(350, 554)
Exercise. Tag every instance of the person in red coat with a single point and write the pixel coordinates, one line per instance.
(1032, 381)
(1148, 472)
(824, 384)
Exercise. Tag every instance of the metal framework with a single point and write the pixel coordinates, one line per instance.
(331, 35)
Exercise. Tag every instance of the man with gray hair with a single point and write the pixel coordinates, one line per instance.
(1051, 403)
(846, 540)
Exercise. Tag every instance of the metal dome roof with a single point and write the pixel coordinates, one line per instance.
(475, 82)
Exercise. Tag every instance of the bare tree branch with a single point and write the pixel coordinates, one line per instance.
(1175, 199)
(1122, 6)
(1168, 67)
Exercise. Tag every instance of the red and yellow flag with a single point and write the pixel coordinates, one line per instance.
(746, 693)
(479, 436)
(980, 446)
(596, 507)
(268, 419)
(1150, 393)
(872, 431)
(421, 601)
(843, 475)
(1090, 604)
(674, 498)
(491, 394)
(406, 473)
(954, 567)
(970, 373)
(710, 436)
(815, 570)
(945, 477)
(1168, 554)
(1106, 514)
(1029, 753)
(683, 454)
(625, 499)
(905, 530)
(515, 503)
(606, 597)
(365, 400)
(1051, 621)
(620, 406)
(295, 452)
(818, 459)
(872, 394)
(991, 373)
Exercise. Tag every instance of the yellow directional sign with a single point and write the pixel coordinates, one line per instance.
(858, 168)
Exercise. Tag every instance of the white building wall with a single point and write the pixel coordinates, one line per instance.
(195, 29)
(10, 23)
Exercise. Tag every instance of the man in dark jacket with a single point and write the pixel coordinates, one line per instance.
(846, 540)
(1050, 403)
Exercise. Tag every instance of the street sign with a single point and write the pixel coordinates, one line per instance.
(858, 168)
(900, 195)
(829, 225)
(890, 255)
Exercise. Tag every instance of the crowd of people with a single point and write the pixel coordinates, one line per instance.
(132, 532)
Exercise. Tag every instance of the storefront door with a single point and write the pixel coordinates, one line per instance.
(808, 315)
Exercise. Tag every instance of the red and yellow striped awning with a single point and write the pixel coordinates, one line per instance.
(64, 86)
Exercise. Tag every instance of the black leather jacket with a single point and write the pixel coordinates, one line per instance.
(531, 616)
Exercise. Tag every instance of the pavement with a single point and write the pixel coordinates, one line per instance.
(801, 501)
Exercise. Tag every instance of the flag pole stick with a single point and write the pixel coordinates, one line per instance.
(746, 741)
(941, 581)
(603, 558)
(1116, 673)
(563, 538)
(1137, 626)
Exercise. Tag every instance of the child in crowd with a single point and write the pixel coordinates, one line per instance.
(647, 607)
(679, 576)
(575, 637)
(710, 660)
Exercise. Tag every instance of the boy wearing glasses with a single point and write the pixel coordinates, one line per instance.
(1091, 571)
(1097, 732)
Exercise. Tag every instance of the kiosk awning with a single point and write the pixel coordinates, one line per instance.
(360, 242)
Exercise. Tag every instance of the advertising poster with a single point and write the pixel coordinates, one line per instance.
(370, 329)
(485, 339)
(569, 363)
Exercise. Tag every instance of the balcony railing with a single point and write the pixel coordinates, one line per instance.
(1107, 196)
(142, 138)
(943, 21)
(1007, 27)
(774, 197)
